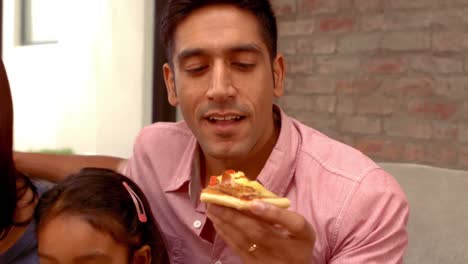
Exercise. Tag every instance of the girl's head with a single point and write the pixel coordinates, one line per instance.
(97, 216)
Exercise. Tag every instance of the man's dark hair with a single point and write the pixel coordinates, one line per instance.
(177, 10)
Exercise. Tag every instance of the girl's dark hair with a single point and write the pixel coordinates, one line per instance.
(177, 10)
(9, 193)
(99, 197)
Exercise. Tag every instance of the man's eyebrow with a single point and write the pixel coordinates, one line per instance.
(189, 53)
(234, 49)
(246, 48)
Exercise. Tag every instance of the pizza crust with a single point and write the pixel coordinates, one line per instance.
(236, 203)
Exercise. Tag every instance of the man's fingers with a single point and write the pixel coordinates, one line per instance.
(231, 236)
(249, 227)
(296, 224)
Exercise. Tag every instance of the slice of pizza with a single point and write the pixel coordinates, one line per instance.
(233, 189)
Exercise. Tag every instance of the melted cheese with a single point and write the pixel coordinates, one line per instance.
(240, 178)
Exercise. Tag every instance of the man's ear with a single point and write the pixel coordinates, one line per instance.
(278, 75)
(170, 85)
(142, 255)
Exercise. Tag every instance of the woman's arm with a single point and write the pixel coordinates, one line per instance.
(54, 167)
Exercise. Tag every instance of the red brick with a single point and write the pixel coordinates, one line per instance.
(405, 4)
(408, 86)
(295, 28)
(376, 104)
(300, 65)
(436, 64)
(337, 65)
(284, 7)
(323, 6)
(369, 5)
(361, 125)
(455, 87)
(408, 127)
(414, 152)
(463, 156)
(462, 113)
(433, 108)
(357, 85)
(314, 85)
(441, 154)
(466, 64)
(316, 45)
(336, 24)
(445, 41)
(356, 42)
(322, 122)
(325, 104)
(346, 139)
(372, 22)
(451, 17)
(387, 65)
(406, 41)
(444, 130)
(289, 84)
(463, 133)
(398, 21)
(297, 102)
(380, 148)
(287, 45)
(346, 105)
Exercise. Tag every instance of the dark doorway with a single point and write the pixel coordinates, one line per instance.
(162, 110)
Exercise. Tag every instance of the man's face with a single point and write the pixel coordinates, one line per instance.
(224, 81)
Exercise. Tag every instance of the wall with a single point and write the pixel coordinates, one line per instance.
(92, 90)
(389, 77)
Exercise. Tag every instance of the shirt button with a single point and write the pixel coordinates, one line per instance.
(218, 262)
(197, 224)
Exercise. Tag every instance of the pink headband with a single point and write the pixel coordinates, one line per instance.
(138, 204)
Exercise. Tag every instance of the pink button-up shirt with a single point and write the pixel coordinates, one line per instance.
(358, 211)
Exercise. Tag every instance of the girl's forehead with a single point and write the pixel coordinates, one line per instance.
(71, 237)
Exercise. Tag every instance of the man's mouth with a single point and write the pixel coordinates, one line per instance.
(214, 119)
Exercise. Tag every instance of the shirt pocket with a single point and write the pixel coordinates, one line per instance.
(174, 249)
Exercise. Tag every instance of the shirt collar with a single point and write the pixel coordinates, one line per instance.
(280, 167)
(188, 163)
(275, 175)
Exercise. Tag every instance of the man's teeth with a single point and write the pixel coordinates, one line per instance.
(224, 118)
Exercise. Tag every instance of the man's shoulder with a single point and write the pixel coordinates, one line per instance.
(332, 155)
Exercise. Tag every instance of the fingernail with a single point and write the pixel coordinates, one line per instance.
(257, 207)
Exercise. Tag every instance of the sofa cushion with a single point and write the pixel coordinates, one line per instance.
(438, 223)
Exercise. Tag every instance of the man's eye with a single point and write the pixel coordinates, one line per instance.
(195, 70)
(243, 65)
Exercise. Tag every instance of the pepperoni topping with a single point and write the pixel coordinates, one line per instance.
(226, 178)
(230, 171)
(213, 181)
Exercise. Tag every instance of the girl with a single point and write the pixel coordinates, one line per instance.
(18, 194)
(97, 216)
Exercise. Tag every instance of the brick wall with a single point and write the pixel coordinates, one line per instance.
(388, 77)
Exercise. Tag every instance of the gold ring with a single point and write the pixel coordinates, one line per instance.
(252, 248)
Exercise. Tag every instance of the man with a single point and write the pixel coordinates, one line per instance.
(224, 73)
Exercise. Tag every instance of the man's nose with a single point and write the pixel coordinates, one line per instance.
(221, 87)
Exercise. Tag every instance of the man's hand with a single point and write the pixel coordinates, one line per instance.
(265, 233)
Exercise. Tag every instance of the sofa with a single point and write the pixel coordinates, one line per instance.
(438, 223)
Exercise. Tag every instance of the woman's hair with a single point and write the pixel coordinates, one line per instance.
(9, 192)
(104, 199)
